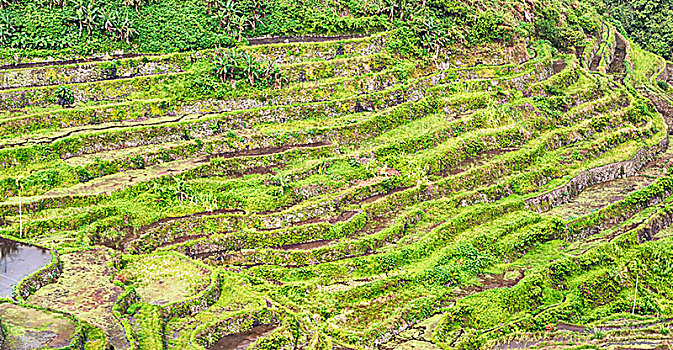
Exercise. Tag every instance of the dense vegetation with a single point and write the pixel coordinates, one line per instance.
(466, 174)
(648, 22)
(86, 26)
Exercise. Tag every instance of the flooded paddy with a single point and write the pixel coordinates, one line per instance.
(241, 341)
(18, 260)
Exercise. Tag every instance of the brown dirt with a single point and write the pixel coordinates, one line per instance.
(344, 216)
(490, 281)
(570, 328)
(264, 151)
(596, 59)
(261, 170)
(84, 289)
(595, 62)
(242, 341)
(559, 66)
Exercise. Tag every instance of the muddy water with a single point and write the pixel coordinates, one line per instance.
(242, 341)
(17, 261)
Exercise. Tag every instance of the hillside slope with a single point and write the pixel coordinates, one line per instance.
(503, 185)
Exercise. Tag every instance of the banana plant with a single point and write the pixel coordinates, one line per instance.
(125, 30)
(225, 13)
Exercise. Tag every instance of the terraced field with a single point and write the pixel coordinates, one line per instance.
(504, 197)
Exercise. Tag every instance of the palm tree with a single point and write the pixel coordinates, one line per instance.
(181, 189)
(256, 14)
(221, 67)
(433, 35)
(241, 22)
(86, 15)
(93, 14)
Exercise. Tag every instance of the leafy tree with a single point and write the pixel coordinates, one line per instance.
(648, 22)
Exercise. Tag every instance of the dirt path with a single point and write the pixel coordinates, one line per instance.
(490, 281)
(91, 128)
(595, 58)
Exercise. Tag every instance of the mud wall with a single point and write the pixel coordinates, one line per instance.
(125, 300)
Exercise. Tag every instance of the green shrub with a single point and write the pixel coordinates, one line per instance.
(83, 174)
(663, 85)
(64, 96)
(109, 70)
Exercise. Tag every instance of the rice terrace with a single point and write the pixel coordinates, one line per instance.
(336, 174)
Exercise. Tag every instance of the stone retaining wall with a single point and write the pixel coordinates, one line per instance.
(196, 304)
(89, 72)
(595, 176)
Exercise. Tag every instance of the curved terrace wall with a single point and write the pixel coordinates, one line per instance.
(46, 275)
